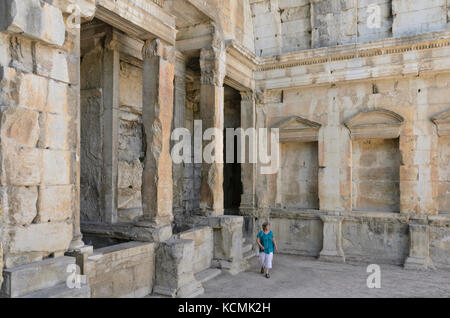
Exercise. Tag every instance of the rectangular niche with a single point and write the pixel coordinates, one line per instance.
(444, 174)
(375, 175)
(299, 175)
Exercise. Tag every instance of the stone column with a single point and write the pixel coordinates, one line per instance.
(332, 239)
(158, 75)
(179, 121)
(248, 169)
(87, 12)
(419, 249)
(110, 89)
(77, 242)
(212, 64)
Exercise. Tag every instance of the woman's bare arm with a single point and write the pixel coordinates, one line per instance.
(275, 244)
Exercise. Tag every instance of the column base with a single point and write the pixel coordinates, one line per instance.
(76, 244)
(419, 263)
(190, 290)
(232, 267)
(331, 256)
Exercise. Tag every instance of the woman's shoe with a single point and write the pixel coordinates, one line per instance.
(262, 270)
(267, 275)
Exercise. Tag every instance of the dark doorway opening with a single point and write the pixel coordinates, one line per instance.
(232, 185)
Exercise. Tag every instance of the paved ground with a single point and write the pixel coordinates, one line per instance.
(294, 276)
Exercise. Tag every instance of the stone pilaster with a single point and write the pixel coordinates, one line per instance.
(158, 75)
(419, 248)
(248, 174)
(110, 89)
(212, 64)
(332, 239)
(179, 121)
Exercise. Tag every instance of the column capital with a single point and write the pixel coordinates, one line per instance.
(213, 65)
(248, 96)
(156, 47)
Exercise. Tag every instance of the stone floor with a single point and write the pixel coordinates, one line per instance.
(294, 276)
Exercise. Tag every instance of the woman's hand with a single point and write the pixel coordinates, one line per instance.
(276, 249)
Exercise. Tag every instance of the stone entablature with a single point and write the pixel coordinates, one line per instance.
(406, 56)
(141, 19)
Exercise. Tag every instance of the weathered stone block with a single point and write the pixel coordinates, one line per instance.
(55, 203)
(203, 247)
(35, 19)
(22, 204)
(56, 166)
(20, 125)
(33, 91)
(174, 273)
(419, 251)
(54, 132)
(26, 279)
(22, 166)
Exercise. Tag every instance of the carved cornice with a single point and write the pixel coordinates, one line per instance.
(156, 47)
(375, 124)
(442, 121)
(297, 129)
(354, 51)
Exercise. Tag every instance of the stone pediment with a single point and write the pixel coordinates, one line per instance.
(375, 124)
(442, 121)
(297, 129)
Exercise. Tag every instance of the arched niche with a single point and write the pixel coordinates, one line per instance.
(442, 121)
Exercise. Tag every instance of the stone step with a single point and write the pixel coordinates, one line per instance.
(207, 274)
(246, 248)
(61, 291)
(26, 279)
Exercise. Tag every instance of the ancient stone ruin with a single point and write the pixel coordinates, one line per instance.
(91, 202)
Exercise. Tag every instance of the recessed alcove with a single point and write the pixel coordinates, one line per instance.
(376, 160)
(297, 178)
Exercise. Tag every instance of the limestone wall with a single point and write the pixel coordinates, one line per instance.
(39, 123)
(282, 26)
(407, 174)
(375, 238)
(296, 233)
(440, 244)
(122, 270)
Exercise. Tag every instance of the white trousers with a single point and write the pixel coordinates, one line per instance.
(266, 259)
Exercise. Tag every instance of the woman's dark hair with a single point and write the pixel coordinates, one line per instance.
(265, 225)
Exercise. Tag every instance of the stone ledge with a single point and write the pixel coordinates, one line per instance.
(126, 231)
